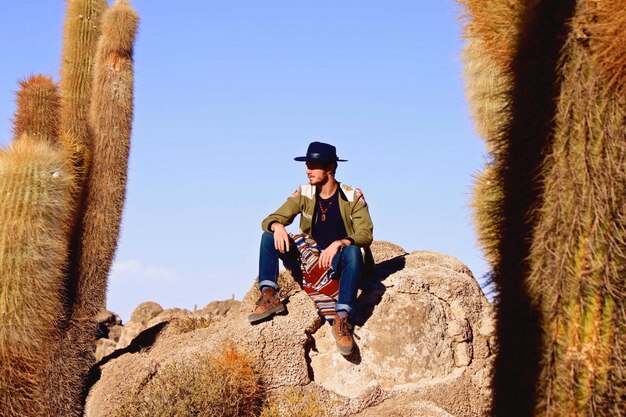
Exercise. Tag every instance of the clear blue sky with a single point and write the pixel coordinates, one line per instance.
(227, 93)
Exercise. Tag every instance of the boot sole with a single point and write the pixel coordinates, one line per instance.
(344, 350)
(255, 318)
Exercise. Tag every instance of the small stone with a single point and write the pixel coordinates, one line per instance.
(463, 353)
(104, 347)
(460, 331)
(482, 378)
(145, 311)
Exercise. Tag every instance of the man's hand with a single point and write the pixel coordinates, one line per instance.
(281, 238)
(326, 258)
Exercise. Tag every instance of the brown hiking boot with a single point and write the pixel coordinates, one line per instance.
(342, 330)
(267, 305)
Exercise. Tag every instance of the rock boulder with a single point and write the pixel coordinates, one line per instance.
(425, 339)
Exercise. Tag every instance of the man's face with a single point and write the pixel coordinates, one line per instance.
(317, 172)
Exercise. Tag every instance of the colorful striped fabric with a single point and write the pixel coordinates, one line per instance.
(317, 282)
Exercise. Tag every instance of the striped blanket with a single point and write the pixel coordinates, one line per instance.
(317, 282)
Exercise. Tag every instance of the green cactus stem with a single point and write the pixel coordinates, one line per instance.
(487, 88)
(110, 122)
(34, 210)
(579, 251)
(111, 119)
(491, 33)
(38, 106)
(81, 33)
(522, 43)
(561, 224)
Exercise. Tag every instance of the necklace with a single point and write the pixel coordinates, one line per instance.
(324, 210)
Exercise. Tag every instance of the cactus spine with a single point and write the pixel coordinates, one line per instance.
(38, 106)
(34, 210)
(561, 220)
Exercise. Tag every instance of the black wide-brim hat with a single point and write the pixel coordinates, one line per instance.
(320, 152)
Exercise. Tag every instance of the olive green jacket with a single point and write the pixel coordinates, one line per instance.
(352, 205)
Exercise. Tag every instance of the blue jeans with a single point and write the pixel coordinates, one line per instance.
(347, 264)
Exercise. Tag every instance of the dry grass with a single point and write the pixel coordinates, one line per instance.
(293, 403)
(225, 384)
(180, 325)
(221, 385)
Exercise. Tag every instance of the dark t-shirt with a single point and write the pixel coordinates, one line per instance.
(332, 228)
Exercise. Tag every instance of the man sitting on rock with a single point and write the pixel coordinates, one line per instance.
(336, 217)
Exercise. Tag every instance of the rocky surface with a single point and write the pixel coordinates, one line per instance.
(113, 335)
(108, 333)
(425, 343)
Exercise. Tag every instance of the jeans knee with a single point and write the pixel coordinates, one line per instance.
(267, 237)
(351, 254)
(267, 242)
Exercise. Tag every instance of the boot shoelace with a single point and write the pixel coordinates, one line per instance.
(264, 298)
(344, 328)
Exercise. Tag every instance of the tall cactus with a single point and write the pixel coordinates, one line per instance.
(82, 30)
(111, 116)
(81, 33)
(38, 106)
(487, 86)
(91, 133)
(579, 249)
(491, 40)
(560, 234)
(110, 120)
(34, 209)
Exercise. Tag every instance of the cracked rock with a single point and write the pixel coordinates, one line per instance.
(424, 329)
